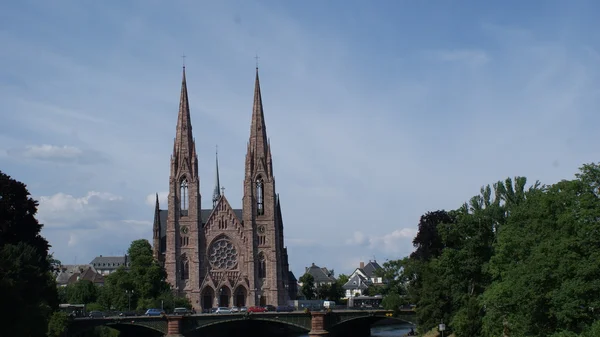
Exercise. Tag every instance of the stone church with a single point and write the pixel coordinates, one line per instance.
(221, 256)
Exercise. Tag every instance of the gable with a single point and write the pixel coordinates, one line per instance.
(204, 215)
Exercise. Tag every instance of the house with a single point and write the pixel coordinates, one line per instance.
(70, 274)
(109, 264)
(320, 275)
(363, 277)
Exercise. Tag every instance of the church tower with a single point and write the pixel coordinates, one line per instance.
(222, 256)
(183, 225)
(260, 211)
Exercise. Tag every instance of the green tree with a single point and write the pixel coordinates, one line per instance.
(308, 286)
(82, 292)
(57, 325)
(26, 280)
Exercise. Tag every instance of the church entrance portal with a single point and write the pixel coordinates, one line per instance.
(224, 295)
(207, 298)
(240, 297)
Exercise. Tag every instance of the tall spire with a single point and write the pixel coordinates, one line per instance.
(258, 147)
(184, 142)
(217, 191)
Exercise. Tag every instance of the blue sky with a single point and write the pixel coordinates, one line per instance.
(377, 111)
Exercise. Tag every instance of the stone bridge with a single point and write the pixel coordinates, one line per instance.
(340, 322)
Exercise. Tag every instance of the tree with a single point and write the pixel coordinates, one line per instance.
(58, 323)
(82, 292)
(308, 286)
(26, 281)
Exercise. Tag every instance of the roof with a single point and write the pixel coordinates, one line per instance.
(204, 214)
(291, 277)
(69, 274)
(370, 268)
(109, 262)
(320, 275)
(357, 281)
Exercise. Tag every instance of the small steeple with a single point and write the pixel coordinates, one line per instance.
(217, 190)
(258, 147)
(157, 217)
(184, 146)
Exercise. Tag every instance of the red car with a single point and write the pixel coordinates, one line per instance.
(256, 309)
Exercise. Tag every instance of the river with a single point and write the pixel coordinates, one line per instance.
(396, 330)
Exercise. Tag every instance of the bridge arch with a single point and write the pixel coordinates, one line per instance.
(355, 324)
(125, 327)
(261, 326)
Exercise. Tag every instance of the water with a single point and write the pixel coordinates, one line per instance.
(395, 330)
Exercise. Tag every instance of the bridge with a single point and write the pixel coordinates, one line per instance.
(317, 323)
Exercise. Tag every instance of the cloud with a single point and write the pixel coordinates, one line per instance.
(59, 154)
(403, 115)
(67, 211)
(162, 199)
(397, 242)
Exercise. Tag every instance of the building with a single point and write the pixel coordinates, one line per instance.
(321, 275)
(109, 264)
(221, 256)
(362, 277)
(70, 274)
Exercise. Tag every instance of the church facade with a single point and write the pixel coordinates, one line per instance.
(223, 256)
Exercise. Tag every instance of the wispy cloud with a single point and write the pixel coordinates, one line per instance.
(371, 126)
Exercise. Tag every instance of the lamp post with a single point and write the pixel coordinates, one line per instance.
(129, 293)
(442, 327)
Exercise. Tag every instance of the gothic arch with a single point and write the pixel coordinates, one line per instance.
(224, 296)
(260, 195)
(184, 267)
(207, 298)
(184, 197)
(262, 265)
(239, 296)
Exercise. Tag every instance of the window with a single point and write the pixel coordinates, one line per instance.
(260, 210)
(262, 266)
(183, 194)
(185, 268)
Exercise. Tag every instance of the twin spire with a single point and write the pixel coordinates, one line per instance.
(184, 149)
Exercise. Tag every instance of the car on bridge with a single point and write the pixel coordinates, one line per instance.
(154, 312)
(223, 310)
(96, 314)
(181, 311)
(256, 309)
(285, 308)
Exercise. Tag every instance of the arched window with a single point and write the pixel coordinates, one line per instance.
(262, 266)
(183, 194)
(185, 268)
(260, 209)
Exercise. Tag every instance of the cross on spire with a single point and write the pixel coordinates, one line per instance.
(223, 190)
(256, 58)
(183, 58)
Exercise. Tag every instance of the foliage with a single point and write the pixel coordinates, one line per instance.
(58, 323)
(308, 286)
(26, 273)
(515, 260)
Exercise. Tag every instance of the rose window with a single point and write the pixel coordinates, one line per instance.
(222, 254)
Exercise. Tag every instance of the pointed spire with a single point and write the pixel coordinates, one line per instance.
(258, 145)
(184, 143)
(157, 215)
(217, 190)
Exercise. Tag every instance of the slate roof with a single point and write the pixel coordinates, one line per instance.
(69, 274)
(357, 281)
(320, 275)
(204, 214)
(291, 277)
(370, 268)
(109, 262)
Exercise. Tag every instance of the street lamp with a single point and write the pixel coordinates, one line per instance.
(129, 293)
(442, 327)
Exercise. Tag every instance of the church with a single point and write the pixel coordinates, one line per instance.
(221, 256)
